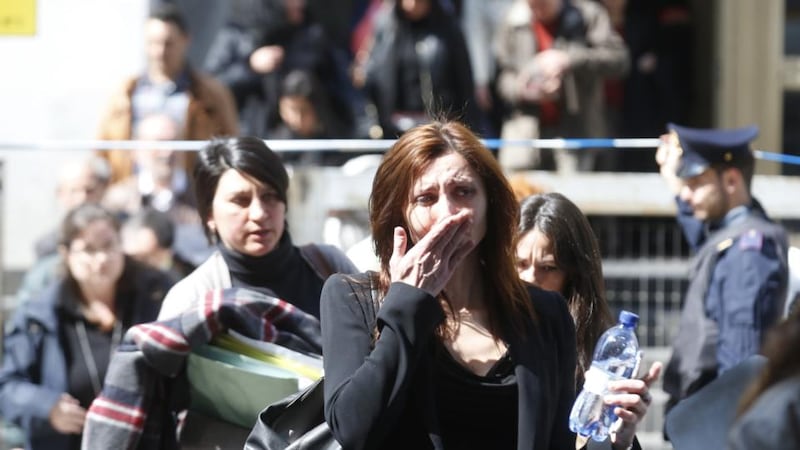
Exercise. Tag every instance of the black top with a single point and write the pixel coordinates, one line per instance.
(391, 382)
(475, 411)
(282, 273)
(136, 280)
(79, 376)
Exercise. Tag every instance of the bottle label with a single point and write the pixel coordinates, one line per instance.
(596, 381)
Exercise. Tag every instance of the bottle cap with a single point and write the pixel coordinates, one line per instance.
(628, 318)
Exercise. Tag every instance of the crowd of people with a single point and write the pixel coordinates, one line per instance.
(516, 69)
(490, 295)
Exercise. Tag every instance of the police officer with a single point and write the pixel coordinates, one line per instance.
(738, 275)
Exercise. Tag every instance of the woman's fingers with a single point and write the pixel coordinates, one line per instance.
(460, 234)
(653, 373)
(400, 241)
(67, 416)
(445, 231)
(430, 262)
(632, 399)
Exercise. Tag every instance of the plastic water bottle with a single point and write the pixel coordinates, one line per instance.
(616, 356)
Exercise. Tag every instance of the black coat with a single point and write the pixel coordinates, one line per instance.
(445, 61)
(306, 47)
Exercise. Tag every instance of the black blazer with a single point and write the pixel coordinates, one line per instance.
(381, 397)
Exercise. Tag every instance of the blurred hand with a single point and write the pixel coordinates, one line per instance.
(647, 63)
(542, 77)
(552, 63)
(67, 415)
(632, 399)
(536, 88)
(432, 261)
(266, 59)
(668, 157)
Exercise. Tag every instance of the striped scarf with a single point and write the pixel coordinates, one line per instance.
(146, 386)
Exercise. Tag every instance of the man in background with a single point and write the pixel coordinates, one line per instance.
(200, 105)
(738, 275)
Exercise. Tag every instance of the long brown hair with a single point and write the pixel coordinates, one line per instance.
(780, 348)
(577, 254)
(404, 163)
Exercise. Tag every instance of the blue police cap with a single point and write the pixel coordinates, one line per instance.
(704, 147)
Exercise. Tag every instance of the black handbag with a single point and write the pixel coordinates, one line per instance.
(294, 423)
(297, 422)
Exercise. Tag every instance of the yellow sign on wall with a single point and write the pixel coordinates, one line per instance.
(17, 17)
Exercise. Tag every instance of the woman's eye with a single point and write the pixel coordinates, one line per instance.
(270, 197)
(424, 199)
(464, 191)
(241, 201)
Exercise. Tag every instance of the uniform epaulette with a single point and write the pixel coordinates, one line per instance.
(751, 240)
(724, 244)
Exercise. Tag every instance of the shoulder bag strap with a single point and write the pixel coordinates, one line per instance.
(318, 261)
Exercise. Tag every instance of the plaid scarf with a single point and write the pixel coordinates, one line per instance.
(146, 385)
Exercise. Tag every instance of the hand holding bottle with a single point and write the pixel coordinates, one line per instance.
(616, 359)
(631, 399)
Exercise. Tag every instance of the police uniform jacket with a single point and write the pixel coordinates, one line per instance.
(736, 290)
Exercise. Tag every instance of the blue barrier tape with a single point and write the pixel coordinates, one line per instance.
(777, 157)
(362, 145)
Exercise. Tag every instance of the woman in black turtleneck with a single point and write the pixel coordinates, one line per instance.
(240, 186)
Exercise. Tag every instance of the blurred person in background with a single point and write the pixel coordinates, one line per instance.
(263, 41)
(159, 178)
(160, 181)
(59, 344)
(201, 106)
(558, 251)
(523, 187)
(148, 237)
(658, 89)
(417, 66)
(480, 20)
(306, 113)
(80, 181)
(738, 275)
(553, 58)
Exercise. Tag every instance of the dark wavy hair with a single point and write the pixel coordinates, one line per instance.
(404, 163)
(577, 254)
